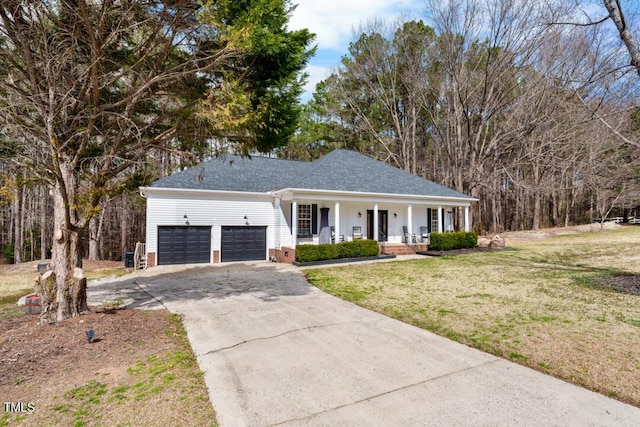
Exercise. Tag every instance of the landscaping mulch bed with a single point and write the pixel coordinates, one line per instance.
(31, 351)
(41, 365)
(343, 260)
(626, 284)
(458, 251)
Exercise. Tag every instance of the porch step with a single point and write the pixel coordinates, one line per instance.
(403, 249)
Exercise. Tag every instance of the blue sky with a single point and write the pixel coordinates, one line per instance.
(333, 22)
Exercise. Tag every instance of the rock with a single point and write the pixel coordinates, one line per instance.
(497, 242)
(483, 242)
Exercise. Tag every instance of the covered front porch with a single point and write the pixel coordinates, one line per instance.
(400, 225)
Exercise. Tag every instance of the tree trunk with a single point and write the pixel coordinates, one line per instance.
(124, 225)
(71, 287)
(95, 236)
(43, 222)
(18, 240)
(617, 16)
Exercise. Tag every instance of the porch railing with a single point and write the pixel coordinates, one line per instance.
(140, 256)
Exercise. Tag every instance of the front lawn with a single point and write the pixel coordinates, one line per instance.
(552, 304)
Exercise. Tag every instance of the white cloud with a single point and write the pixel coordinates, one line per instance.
(316, 75)
(333, 22)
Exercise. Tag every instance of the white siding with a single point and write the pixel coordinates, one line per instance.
(168, 208)
(212, 210)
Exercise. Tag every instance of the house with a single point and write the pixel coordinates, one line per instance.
(239, 209)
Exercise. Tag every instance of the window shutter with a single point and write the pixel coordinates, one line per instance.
(314, 219)
(429, 219)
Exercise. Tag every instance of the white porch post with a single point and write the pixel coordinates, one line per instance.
(278, 214)
(467, 221)
(410, 220)
(294, 222)
(375, 222)
(440, 219)
(336, 222)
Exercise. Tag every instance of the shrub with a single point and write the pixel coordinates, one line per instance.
(359, 248)
(9, 253)
(454, 240)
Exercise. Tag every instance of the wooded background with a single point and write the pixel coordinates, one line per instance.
(532, 109)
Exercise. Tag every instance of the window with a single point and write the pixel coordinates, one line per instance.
(433, 225)
(304, 220)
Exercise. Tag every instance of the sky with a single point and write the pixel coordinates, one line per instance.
(333, 22)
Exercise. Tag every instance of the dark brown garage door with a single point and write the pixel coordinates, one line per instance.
(184, 245)
(243, 243)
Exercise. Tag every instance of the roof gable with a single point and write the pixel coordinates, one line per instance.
(340, 171)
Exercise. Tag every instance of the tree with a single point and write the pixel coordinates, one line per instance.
(90, 90)
(492, 102)
(380, 89)
(617, 15)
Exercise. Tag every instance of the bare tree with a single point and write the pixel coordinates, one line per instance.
(88, 89)
(617, 15)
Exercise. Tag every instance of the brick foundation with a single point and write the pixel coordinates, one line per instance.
(151, 259)
(402, 248)
(216, 256)
(287, 255)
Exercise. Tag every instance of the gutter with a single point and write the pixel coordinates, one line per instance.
(365, 194)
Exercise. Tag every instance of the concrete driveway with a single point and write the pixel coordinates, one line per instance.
(277, 351)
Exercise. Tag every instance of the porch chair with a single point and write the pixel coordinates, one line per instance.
(424, 234)
(356, 232)
(408, 238)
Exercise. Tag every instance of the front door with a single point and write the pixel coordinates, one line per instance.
(383, 225)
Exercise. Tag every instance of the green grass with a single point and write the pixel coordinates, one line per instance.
(174, 376)
(539, 304)
(8, 303)
(164, 386)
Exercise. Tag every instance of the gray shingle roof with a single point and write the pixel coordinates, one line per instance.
(234, 173)
(340, 170)
(344, 170)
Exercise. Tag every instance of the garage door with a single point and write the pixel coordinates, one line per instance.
(243, 243)
(184, 245)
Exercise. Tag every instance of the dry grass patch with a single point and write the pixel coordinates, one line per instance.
(541, 303)
(139, 371)
(16, 278)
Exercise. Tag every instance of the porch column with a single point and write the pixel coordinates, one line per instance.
(440, 219)
(294, 223)
(410, 220)
(467, 222)
(278, 214)
(375, 222)
(336, 221)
